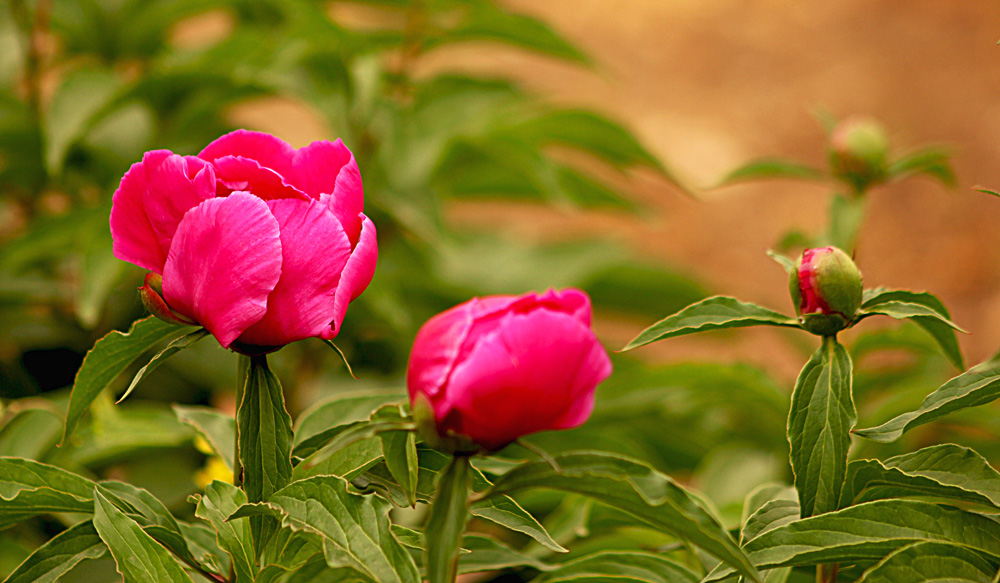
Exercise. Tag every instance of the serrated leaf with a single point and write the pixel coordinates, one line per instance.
(978, 386)
(109, 357)
(622, 566)
(446, 523)
(867, 532)
(355, 529)
(939, 326)
(651, 497)
(770, 169)
(819, 427)
(59, 555)
(714, 313)
(218, 429)
(942, 471)
(28, 488)
(173, 348)
(219, 501)
(931, 562)
(140, 559)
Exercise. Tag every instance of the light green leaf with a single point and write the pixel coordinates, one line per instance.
(318, 448)
(978, 386)
(80, 97)
(446, 524)
(140, 559)
(867, 532)
(216, 505)
(819, 427)
(30, 433)
(218, 429)
(109, 357)
(59, 555)
(714, 313)
(400, 453)
(171, 349)
(938, 325)
(770, 515)
(771, 169)
(28, 488)
(942, 471)
(151, 514)
(264, 433)
(787, 264)
(933, 162)
(355, 529)
(482, 553)
(340, 410)
(486, 22)
(931, 562)
(631, 486)
(622, 566)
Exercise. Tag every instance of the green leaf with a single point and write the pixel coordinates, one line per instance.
(635, 488)
(218, 429)
(978, 386)
(80, 97)
(30, 433)
(140, 559)
(486, 22)
(355, 529)
(942, 471)
(173, 348)
(771, 515)
(867, 532)
(319, 447)
(59, 555)
(622, 566)
(932, 162)
(264, 433)
(109, 357)
(446, 524)
(482, 553)
(986, 191)
(939, 326)
(28, 488)
(787, 264)
(931, 562)
(399, 449)
(714, 313)
(341, 409)
(216, 505)
(770, 169)
(151, 514)
(590, 132)
(819, 427)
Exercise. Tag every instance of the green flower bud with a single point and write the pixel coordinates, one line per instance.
(826, 290)
(859, 149)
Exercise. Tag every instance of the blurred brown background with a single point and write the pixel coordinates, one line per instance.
(709, 85)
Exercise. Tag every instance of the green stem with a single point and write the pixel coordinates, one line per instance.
(447, 521)
(826, 573)
(242, 373)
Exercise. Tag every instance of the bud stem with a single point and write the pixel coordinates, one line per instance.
(446, 524)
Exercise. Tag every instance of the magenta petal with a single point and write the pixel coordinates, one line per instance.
(357, 275)
(224, 261)
(267, 150)
(316, 170)
(314, 251)
(135, 240)
(171, 193)
(436, 349)
(247, 174)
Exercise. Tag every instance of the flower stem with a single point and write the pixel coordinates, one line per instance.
(242, 373)
(446, 524)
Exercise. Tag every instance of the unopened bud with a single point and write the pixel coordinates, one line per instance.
(826, 290)
(151, 294)
(858, 152)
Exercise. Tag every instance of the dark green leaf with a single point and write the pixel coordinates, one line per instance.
(931, 562)
(171, 349)
(59, 555)
(939, 326)
(109, 357)
(714, 313)
(446, 524)
(216, 505)
(140, 559)
(986, 191)
(319, 447)
(400, 453)
(771, 515)
(28, 488)
(772, 168)
(819, 427)
(218, 429)
(635, 488)
(868, 532)
(481, 553)
(978, 386)
(623, 566)
(340, 410)
(942, 471)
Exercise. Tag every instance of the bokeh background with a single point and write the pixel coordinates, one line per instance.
(508, 146)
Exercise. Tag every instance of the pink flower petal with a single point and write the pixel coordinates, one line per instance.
(314, 251)
(172, 192)
(436, 349)
(267, 150)
(224, 261)
(535, 372)
(135, 240)
(318, 168)
(357, 275)
(249, 175)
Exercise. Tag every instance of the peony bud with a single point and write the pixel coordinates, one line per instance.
(488, 371)
(826, 289)
(151, 294)
(858, 152)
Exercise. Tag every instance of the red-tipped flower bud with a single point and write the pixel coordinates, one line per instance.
(826, 289)
(858, 152)
(151, 294)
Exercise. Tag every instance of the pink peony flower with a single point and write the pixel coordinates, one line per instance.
(258, 242)
(493, 369)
